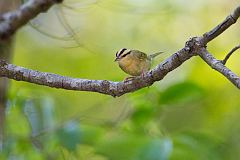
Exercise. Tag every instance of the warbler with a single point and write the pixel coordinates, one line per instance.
(134, 62)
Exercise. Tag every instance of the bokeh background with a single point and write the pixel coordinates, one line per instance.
(192, 114)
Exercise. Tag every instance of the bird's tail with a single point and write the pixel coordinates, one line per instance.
(151, 56)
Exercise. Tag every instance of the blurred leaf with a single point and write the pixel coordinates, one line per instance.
(90, 134)
(142, 115)
(121, 147)
(69, 135)
(156, 149)
(130, 147)
(196, 146)
(87, 152)
(181, 93)
(17, 123)
(39, 113)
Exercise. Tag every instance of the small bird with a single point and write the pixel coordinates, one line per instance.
(134, 62)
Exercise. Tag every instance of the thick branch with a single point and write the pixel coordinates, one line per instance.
(231, 19)
(101, 86)
(218, 66)
(11, 21)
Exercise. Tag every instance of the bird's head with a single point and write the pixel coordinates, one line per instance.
(121, 54)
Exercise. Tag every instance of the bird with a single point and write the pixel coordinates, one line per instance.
(134, 62)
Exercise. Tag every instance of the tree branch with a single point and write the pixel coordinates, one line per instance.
(229, 20)
(101, 86)
(195, 46)
(219, 66)
(224, 61)
(11, 21)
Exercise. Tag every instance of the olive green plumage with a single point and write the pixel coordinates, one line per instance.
(134, 62)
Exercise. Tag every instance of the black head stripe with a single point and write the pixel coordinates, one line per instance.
(125, 54)
(121, 51)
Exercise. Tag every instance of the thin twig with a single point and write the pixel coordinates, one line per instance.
(229, 54)
(10, 22)
(219, 66)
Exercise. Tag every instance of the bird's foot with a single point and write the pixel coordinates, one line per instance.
(142, 75)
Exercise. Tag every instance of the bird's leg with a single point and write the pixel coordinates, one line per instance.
(127, 79)
(142, 74)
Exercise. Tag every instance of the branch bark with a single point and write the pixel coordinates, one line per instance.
(231, 19)
(101, 86)
(224, 61)
(194, 46)
(219, 66)
(10, 22)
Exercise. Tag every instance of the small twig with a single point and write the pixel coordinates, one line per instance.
(229, 54)
(10, 22)
(219, 66)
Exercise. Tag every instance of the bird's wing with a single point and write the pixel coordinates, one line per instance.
(140, 55)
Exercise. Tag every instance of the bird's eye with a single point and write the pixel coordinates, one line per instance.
(121, 51)
(126, 54)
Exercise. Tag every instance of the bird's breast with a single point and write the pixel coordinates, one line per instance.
(134, 67)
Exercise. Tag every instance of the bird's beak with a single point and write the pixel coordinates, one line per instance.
(116, 59)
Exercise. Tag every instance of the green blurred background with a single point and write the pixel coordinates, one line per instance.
(192, 114)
